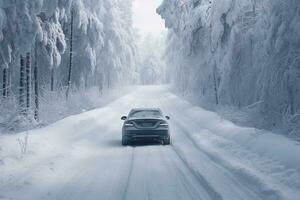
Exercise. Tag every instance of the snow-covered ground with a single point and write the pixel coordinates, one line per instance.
(81, 157)
(54, 107)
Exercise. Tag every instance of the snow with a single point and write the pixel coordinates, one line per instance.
(225, 55)
(103, 54)
(238, 52)
(54, 107)
(81, 157)
(45, 25)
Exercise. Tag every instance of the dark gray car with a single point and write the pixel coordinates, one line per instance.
(145, 124)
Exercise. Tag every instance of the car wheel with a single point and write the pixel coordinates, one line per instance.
(125, 142)
(167, 141)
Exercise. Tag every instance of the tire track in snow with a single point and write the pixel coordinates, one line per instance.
(215, 195)
(127, 182)
(253, 184)
(235, 173)
(192, 190)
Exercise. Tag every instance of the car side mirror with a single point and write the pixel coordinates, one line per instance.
(168, 118)
(123, 118)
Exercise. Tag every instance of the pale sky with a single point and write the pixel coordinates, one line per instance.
(145, 18)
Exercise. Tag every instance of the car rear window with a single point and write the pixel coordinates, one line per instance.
(145, 113)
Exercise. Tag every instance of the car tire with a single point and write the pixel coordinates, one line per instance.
(125, 142)
(167, 141)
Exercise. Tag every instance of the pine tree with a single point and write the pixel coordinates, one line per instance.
(4, 83)
(71, 56)
(22, 86)
(36, 88)
(9, 72)
(215, 84)
(28, 82)
(52, 80)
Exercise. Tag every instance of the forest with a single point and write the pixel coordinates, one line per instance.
(243, 55)
(149, 99)
(239, 58)
(55, 50)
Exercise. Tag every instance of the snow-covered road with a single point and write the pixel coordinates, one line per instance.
(81, 158)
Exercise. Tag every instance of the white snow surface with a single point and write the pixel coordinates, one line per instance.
(81, 157)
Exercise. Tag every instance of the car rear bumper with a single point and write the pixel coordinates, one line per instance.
(137, 135)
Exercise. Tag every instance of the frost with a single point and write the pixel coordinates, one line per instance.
(236, 53)
(45, 24)
(103, 47)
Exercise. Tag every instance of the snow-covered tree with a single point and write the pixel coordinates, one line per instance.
(152, 63)
(37, 33)
(237, 53)
(118, 57)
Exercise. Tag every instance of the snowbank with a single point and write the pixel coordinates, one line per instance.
(54, 107)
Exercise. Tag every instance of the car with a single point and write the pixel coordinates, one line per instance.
(145, 124)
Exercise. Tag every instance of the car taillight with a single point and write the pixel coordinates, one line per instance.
(128, 124)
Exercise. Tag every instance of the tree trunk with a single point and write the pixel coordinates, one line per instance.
(216, 85)
(36, 88)
(22, 86)
(290, 93)
(71, 56)
(28, 82)
(4, 83)
(101, 77)
(86, 81)
(108, 79)
(8, 81)
(52, 79)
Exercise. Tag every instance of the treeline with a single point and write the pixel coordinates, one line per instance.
(242, 53)
(62, 45)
